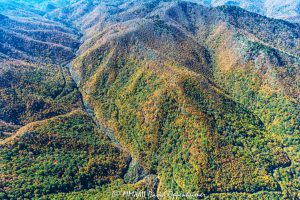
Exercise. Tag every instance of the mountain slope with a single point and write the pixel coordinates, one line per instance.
(36, 41)
(114, 85)
(48, 142)
(177, 96)
(61, 150)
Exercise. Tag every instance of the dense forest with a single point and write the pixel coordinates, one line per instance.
(102, 97)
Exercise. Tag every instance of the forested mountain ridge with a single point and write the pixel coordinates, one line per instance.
(160, 96)
(278, 9)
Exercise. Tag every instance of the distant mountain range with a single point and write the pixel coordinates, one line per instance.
(279, 9)
(101, 97)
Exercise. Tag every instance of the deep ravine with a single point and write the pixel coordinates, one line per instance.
(132, 163)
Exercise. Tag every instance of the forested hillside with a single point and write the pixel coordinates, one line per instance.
(157, 96)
